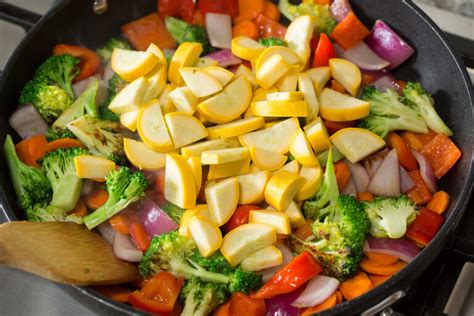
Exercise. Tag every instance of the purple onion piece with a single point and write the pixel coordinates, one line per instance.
(27, 122)
(340, 9)
(400, 248)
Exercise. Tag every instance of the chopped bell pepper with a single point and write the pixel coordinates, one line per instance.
(425, 227)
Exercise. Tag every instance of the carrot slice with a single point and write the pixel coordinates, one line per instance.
(349, 32)
(420, 193)
(96, 199)
(339, 297)
(333, 127)
(304, 231)
(223, 310)
(356, 286)
(120, 223)
(378, 279)
(373, 267)
(343, 174)
(331, 301)
(367, 79)
(251, 6)
(381, 259)
(439, 202)
(442, 154)
(336, 85)
(90, 61)
(146, 30)
(115, 292)
(271, 11)
(246, 28)
(63, 143)
(245, 16)
(80, 209)
(365, 196)
(31, 149)
(139, 236)
(416, 140)
(405, 156)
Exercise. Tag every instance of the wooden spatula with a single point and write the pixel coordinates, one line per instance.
(62, 252)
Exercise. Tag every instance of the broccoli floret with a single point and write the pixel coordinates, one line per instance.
(31, 184)
(179, 255)
(325, 22)
(173, 211)
(390, 216)
(84, 104)
(419, 99)
(105, 52)
(50, 100)
(102, 138)
(60, 71)
(339, 228)
(124, 187)
(200, 298)
(115, 84)
(54, 134)
(61, 172)
(388, 114)
(272, 41)
(49, 213)
(185, 32)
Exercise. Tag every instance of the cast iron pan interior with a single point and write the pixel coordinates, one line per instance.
(436, 65)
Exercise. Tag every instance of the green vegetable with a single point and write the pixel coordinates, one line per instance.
(49, 213)
(102, 138)
(115, 84)
(179, 255)
(200, 298)
(84, 104)
(325, 22)
(105, 52)
(173, 211)
(419, 99)
(390, 216)
(323, 156)
(61, 172)
(185, 32)
(388, 114)
(124, 187)
(50, 100)
(339, 228)
(31, 184)
(272, 41)
(60, 71)
(54, 134)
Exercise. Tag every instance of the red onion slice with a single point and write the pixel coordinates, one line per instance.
(350, 188)
(219, 29)
(106, 231)
(225, 58)
(406, 182)
(388, 45)
(27, 122)
(340, 9)
(287, 257)
(280, 305)
(400, 248)
(317, 291)
(386, 181)
(384, 83)
(360, 176)
(426, 171)
(80, 86)
(154, 220)
(365, 58)
(125, 250)
(372, 163)
(108, 73)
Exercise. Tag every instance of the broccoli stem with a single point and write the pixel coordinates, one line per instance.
(187, 271)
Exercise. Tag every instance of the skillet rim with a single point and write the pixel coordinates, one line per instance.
(399, 282)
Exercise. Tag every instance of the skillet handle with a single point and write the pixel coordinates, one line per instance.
(19, 16)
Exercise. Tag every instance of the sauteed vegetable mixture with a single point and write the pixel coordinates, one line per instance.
(249, 167)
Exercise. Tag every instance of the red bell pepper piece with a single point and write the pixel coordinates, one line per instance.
(159, 294)
(90, 61)
(240, 216)
(296, 273)
(168, 8)
(213, 6)
(270, 28)
(324, 51)
(241, 304)
(187, 8)
(425, 227)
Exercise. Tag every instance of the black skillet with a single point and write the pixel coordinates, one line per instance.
(436, 65)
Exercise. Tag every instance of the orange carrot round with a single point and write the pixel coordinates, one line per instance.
(336, 85)
(96, 199)
(365, 196)
(331, 301)
(370, 266)
(439, 203)
(378, 279)
(63, 143)
(246, 28)
(80, 209)
(381, 259)
(356, 286)
(271, 11)
(343, 174)
(31, 149)
(120, 224)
